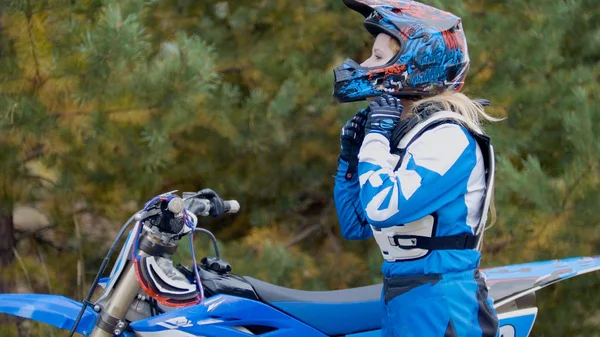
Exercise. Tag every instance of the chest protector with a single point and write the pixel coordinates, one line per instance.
(417, 239)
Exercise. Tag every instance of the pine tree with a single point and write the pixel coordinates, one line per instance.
(90, 108)
(538, 61)
(104, 104)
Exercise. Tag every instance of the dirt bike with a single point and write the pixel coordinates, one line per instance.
(146, 295)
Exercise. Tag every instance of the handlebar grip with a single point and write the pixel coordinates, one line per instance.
(231, 206)
(200, 207)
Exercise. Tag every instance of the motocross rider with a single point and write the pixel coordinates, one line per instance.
(416, 170)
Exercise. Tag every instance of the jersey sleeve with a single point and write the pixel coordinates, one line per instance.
(351, 215)
(434, 171)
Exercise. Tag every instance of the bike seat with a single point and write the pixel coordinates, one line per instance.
(336, 312)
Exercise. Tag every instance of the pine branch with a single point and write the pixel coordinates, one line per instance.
(51, 77)
(337, 246)
(303, 235)
(20, 235)
(315, 227)
(1, 31)
(35, 153)
(233, 69)
(41, 179)
(38, 237)
(13, 78)
(575, 184)
(109, 111)
(475, 72)
(496, 246)
(59, 248)
(33, 46)
(66, 5)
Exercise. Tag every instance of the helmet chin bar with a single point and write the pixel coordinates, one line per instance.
(353, 82)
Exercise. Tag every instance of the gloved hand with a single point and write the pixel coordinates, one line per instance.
(384, 115)
(217, 205)
(351, 138)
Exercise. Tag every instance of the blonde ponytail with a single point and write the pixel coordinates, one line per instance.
(472, 112)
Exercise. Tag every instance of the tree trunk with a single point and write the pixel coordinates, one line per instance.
(7, 229)
(7, 243)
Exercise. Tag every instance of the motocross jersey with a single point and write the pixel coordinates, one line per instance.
(431, 187)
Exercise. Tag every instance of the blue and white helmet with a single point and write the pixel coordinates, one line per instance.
(433, 53)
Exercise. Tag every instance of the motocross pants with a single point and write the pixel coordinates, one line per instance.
(448, 305)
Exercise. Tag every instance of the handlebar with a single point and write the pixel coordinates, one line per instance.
(162, 211)
(202, 207)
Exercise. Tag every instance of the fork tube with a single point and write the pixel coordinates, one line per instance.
(118, 304)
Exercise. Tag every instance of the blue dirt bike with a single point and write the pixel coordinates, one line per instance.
(145, 295)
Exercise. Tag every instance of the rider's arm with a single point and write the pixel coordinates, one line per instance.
(435, 171)
(351, 215)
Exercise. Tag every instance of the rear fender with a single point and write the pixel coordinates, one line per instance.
(57, 311)
(510, 283)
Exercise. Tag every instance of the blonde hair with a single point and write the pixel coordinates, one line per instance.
(472, 112)
(394, 45)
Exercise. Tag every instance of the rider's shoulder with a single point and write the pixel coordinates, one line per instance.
(443, 135)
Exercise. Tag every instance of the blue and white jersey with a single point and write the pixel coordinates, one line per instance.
(442, 174)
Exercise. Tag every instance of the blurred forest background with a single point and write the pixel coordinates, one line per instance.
(104, 104)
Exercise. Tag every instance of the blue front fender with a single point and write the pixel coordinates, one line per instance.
(58, 311)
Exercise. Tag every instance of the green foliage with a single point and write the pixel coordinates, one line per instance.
(104, 104)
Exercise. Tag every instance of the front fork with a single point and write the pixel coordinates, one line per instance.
(111, 322)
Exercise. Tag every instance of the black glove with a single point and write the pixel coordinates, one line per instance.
(217, 206)
(351, 138)
(384, 115)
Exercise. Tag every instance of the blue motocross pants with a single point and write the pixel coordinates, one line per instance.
(448, 305)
